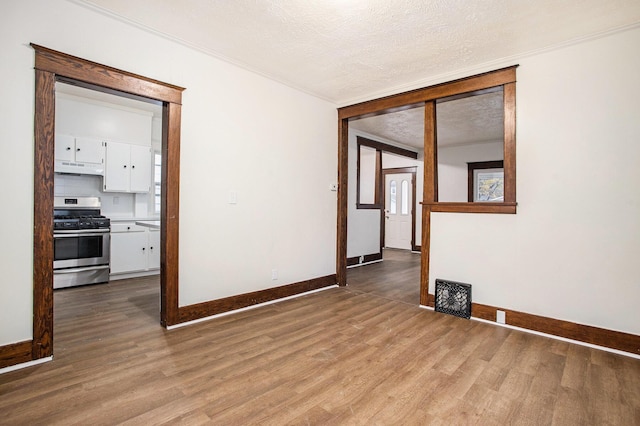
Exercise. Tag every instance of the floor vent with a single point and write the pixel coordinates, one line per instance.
(453, 298)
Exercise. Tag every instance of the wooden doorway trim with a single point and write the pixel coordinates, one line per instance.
(426, 97)
(51, 66)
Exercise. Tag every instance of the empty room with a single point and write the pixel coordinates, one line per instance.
(330, 212)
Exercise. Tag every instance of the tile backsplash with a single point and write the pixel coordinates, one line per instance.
(114, 204)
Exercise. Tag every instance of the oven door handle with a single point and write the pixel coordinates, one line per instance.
(74, 270)
(86, 233)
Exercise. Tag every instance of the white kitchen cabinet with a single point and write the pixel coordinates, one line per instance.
(79, 155)
(65, 148)
(128, 168)
(134, 248)
(154, 248)
(140, 168)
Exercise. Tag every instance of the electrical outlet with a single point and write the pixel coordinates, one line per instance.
(361, 259)
(274, 274)
(500, 317)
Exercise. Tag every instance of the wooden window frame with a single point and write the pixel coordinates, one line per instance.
(380, 147)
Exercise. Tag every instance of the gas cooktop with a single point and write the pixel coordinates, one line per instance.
(67, 222)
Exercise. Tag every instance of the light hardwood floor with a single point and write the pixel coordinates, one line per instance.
(340, 356)
(396, 278)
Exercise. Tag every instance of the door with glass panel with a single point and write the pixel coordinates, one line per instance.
(398, 211)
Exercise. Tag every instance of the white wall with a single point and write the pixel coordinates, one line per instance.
(275, 146)
(89, 118)
(363, 225)
(453, 171)
(571, 252)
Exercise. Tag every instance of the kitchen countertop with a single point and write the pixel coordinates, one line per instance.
(133, 219)
(152, 224)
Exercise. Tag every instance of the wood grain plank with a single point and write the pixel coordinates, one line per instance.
(92, 72)
(343, 201)
(44, 130)
(15, 353)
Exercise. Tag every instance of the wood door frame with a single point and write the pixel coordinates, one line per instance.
(413, 170)
(51, 66)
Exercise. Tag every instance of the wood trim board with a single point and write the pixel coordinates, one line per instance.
(381, 146)
(569, 330)
(214, 307)
(351, 261)
(16, 353)
(50, 66)
(411, 98)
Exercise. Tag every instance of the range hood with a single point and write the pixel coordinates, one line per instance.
(76, 168)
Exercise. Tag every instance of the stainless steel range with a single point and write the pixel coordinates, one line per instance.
(81, 242)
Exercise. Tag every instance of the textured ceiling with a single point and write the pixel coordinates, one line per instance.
(474, 119)
(352, 50)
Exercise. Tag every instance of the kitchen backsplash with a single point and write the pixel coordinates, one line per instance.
(114, 204)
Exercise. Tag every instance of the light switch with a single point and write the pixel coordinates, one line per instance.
(333, 187)
(233, 197)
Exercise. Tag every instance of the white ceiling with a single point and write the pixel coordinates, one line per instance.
(465, 121)
(347, 51)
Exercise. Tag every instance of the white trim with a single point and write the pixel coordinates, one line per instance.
(25, 364)
(551, 336)
(171, 327)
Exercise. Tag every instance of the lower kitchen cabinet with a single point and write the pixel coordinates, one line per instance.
(154, 248)
(134, 248)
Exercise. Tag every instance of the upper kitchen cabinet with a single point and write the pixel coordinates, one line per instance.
(127, 168)
(79, 155)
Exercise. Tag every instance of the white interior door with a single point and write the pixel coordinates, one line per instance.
(398, 210)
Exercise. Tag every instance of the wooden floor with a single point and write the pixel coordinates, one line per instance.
(397, 277)
(340, 356)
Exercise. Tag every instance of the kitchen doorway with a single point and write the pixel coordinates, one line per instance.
(52, 66)
(101, 194)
